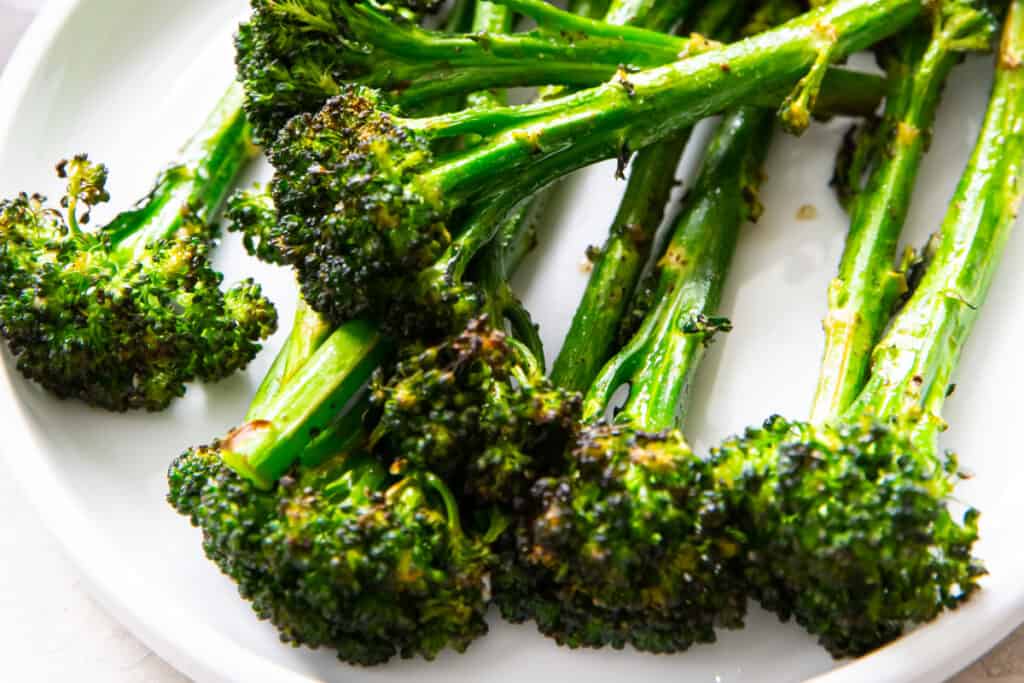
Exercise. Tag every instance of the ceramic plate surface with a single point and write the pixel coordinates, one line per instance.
(128, 81)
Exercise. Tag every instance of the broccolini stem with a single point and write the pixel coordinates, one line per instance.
(343, 436)
(460, 17)
(844, 92)
(659, 362)
(195, 188)
(656, 15)
(913, 364)
(589, 8)
(419, 64)
(274, 437)
(496, 263)
(863, 296)
(639, 109)
(459, 20)
(490, 18)
(517, 234)
(615, 27)
(477, 231)
(308, 332)
(591, 338)
(584, 8)
(592, 335)
(363, 479)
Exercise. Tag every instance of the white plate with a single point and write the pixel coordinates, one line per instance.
(127, 82)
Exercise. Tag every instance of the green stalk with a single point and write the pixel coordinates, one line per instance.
(591, 339)
(584, 8)
(648, 106)
(194, 188)
(863, 296)
(308, 332)
(460, 17)
(490, 18)
(344, 435)
(588, 8)
(496, 264)
(552, 18)
(412, 52)
(268, 444)
(913, 364)
(362, 480)
(416, 66)
(659, 362)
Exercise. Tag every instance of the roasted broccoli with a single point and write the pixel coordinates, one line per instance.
(339, 554)
(632, 543)
(124, 315)
(335, 546)
(366, 204)
(476, 408)
(294, 56)
(406, 462)
(848, 518)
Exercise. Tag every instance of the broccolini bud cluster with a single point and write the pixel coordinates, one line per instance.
(341, 555)
(639, 545)
(115, 317)
(477, 410)
(850, 529)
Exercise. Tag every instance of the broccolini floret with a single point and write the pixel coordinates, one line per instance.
(125, 315)
(477, 410)
(365, 201)
(476, 407)
(848, 516)
(632, 543)
(342, 555)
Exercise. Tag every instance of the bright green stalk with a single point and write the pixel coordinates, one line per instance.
(267, 445)
(308, 332)
(914, 363)
(590, 341)
(417, 65)
(591, 337)
(461, 16)
(490, 18)
(592, 10)
(654, 15)
(436, 65)
(197, 185)
(863, 296)
(642, 108)
(659, 362)
(615, 27)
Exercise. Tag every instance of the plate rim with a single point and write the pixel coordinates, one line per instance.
(201, 652)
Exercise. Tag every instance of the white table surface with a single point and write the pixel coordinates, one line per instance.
(52, 630)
